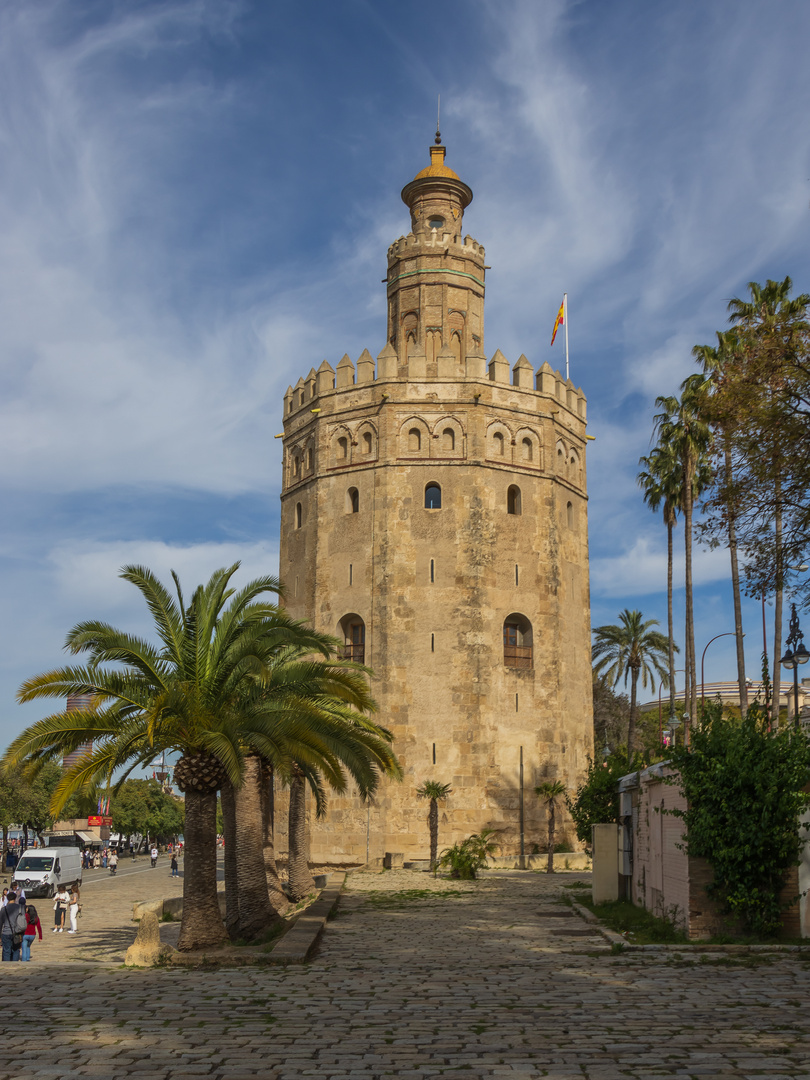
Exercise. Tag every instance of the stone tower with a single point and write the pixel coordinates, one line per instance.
(434, 518)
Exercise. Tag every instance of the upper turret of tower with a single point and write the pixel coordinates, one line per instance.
(437, 197)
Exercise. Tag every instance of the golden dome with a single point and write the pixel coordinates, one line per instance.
(437, 170)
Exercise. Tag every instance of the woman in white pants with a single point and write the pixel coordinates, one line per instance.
(73, 910)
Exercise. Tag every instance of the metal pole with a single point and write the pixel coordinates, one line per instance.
(703, 657)
(565, 323)
(368, 826)
(522, 863)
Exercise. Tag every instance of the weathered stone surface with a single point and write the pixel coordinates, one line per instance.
(424, 595)
(147, 949)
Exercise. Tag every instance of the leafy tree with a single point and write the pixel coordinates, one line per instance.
(682, 426)
(611, 713)
(433, 791)
(548, 792)
(761, 401)
(632, 650)
(714, 361)
(142, 806)
(597, 797)
(745, 789)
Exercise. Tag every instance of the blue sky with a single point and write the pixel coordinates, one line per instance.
(196, 198)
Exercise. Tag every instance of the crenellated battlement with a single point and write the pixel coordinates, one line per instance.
(408, 245)
(538, 386)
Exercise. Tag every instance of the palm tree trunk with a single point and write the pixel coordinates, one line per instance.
(690, 614)
(201, 925)
(670, 619)
(777, 615)
(735, 585)
(551, 826)
(278, 899)
(255, 912)
(631, 726)
(231, 877)
(433, 826)
(301, 881)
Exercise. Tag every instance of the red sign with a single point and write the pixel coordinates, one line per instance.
(98, 820)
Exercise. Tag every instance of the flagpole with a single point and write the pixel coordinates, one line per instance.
(565, 321)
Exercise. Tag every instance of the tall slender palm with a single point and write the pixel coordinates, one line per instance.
(759, 313)
(682, 426)
(714, 361)
(661, 480)
(434, 791)
(631, 650)
(549, 791)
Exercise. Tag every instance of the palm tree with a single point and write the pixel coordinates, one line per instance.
(759, 313)
(201, 694)
(631, 649)
(549, 791)
(433, 790)
(662, 482)
(682, 426)
(713, 361)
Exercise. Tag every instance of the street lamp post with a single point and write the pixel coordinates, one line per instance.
(731, 633)
(796, 654)
(671, 713)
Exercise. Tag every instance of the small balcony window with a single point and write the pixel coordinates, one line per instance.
(354, 638)
(517, 642)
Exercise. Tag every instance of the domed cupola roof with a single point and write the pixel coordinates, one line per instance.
(437, 177)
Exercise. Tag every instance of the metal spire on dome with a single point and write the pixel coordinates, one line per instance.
(438, 114)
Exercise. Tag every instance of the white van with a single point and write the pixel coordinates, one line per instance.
(41, 870)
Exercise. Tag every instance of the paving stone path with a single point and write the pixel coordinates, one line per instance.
(421, 978)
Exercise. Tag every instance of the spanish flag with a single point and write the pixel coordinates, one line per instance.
(559, 321)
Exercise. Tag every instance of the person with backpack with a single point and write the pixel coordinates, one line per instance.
(33, 927)
(13, 928)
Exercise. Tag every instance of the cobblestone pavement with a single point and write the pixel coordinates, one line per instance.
(417, 978)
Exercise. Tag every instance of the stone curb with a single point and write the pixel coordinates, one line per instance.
(687, 947)
(299, 941)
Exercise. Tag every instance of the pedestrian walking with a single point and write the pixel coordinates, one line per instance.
(104, 858)
(113, 861)
(12, 918)
(4, 901)
(61, 902)
(97, 861)
(32, 927)
(175, 870)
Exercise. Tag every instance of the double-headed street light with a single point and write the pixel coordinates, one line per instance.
(796, 654)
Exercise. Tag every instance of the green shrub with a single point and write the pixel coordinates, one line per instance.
(467, 857)
(743, 786)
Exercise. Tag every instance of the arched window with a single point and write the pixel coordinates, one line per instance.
(517, 641)
(299, 515)
(513, 500)
(296, 466)
(368, 443)
(353, 630)
(352, 501)
(570, 515)
(343, 448)
(528, 450)
(309, 460)
(498, 442)
(448, 439)
(433, 497)
(415, 440)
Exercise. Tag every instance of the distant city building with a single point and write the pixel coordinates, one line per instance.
(729, 694)
(75, 703)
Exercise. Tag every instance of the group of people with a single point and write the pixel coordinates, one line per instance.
(98, 859)
(19, 920)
